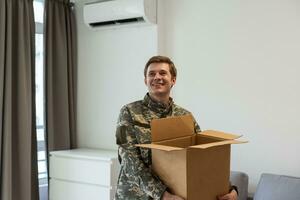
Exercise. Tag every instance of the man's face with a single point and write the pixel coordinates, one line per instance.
(159, 79)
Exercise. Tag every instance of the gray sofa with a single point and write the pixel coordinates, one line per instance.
(270, 186)
(277, 187)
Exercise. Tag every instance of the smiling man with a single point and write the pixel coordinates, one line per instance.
(159, 80)
(136, 180)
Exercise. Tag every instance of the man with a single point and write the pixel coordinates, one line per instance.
(137, 181)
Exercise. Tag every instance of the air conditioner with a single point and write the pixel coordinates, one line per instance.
(119, 13)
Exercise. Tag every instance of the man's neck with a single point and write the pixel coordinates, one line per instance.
(161, 99)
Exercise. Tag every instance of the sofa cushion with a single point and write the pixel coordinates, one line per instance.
(277, 187)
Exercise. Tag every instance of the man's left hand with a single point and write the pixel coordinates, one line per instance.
(230, 196)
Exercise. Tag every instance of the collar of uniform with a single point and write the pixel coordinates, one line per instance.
(157, 106)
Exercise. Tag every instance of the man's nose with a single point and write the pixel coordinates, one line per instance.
(157, 76)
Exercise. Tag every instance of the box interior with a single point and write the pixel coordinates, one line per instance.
(187, 141)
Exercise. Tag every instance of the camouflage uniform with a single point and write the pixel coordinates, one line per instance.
(136, 179)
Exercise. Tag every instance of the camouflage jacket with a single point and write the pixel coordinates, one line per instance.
(136, 179)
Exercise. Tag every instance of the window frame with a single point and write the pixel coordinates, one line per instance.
(41, 144)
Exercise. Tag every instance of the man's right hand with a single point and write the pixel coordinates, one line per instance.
(169, 196)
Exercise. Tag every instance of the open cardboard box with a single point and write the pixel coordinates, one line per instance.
(193, 165)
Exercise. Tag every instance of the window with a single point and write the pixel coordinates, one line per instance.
(39, 89)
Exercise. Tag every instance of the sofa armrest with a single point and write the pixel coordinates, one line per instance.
(240, 179)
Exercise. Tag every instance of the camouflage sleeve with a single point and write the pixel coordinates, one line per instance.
(134, 167)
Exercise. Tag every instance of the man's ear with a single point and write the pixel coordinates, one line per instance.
(145, 81)
(173, 81)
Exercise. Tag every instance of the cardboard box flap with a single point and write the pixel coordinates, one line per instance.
(213, 144)
(172, 127)
(159, 147)
(219, 134)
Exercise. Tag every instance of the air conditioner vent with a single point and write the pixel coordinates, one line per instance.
(118, 22)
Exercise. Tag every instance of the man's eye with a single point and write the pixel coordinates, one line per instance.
(151, 74)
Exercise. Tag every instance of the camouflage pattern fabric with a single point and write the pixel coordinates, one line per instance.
(136, 179)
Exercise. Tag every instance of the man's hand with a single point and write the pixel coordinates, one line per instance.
(169, 196)
(230, 196)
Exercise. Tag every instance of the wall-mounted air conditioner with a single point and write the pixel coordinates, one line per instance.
(119, 13)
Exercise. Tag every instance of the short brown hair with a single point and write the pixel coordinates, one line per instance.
(161, 59)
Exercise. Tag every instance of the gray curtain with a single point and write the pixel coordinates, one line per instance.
(60, 67)
(18, 146)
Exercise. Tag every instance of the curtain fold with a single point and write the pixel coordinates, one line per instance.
(18, 145)
(60, 67)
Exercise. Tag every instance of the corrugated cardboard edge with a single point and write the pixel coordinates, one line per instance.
(213, 144)
(159, 147)
(219, 134)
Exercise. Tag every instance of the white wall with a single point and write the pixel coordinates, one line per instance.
(238, 64)
(110, 74)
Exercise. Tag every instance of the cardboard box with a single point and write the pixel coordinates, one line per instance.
(193, 165)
